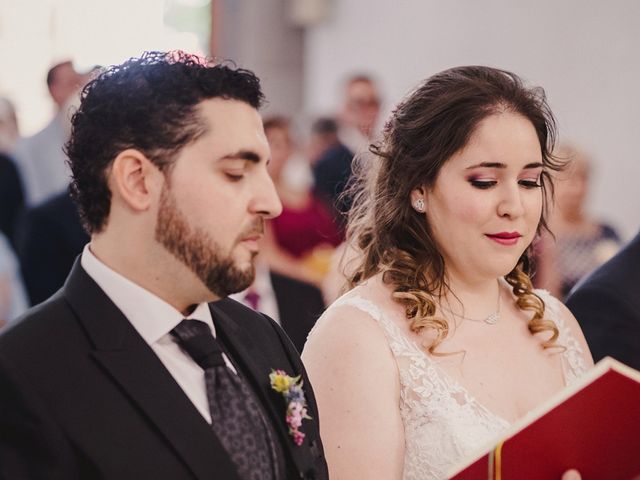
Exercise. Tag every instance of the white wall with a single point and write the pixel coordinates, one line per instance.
(258, 35)
(585, 53)
(36, 34)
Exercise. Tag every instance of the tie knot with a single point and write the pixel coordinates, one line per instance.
(252, 298)
(196, 339)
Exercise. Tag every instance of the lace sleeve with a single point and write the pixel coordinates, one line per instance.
(573, 357)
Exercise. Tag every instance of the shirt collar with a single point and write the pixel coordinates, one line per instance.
(151, 316)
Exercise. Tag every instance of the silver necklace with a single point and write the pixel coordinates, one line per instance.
(490, 319)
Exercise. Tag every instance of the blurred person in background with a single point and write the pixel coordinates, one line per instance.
(13, 300)
(332, 170)
(49, 237)
(11, 191)
(581, 242)
(299, 242)
(360, 111)
(40, 158)
(607, 305)
(357, 122)
(9, 132)
(293, 304)
(324, 136)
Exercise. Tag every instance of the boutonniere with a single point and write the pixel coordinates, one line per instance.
(291, 390)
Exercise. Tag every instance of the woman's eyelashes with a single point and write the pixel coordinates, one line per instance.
(530, 183)
(234, 177)
(481, 184)
(484, 184)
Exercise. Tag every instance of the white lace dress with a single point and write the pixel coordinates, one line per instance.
(443, 423)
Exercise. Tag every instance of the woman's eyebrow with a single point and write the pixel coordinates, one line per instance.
(488, 165)
(503, 165)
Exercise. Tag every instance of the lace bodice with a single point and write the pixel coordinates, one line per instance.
(443, 423)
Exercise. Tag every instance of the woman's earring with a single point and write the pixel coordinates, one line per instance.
(419, 205)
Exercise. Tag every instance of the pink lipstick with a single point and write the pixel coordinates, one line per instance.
(505, 238)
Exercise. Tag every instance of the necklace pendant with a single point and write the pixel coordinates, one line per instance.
(493, 318)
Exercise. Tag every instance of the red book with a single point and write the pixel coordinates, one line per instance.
(592, 426)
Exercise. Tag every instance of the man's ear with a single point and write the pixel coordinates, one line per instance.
(135, 179)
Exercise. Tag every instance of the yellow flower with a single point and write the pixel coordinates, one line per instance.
(280, 383)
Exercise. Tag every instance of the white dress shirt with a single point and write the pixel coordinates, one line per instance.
(153, 318)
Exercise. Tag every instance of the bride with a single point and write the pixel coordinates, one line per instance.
(442, 343)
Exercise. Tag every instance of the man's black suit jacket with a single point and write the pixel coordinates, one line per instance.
(607, 306)
(82, 396)
(299, 306)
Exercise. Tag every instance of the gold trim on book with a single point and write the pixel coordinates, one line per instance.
(498, 461)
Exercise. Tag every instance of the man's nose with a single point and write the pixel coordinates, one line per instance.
(266, 200)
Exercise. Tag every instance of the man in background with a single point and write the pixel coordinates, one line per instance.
(40, 157)
(49, 237)
(357, 121)
(11, 189)
(293, 304)
(607, 306)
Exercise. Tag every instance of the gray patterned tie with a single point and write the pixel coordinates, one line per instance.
(236, 417)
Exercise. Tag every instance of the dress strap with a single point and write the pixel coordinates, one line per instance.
(366, 306)
(400, 344)
(573, 363)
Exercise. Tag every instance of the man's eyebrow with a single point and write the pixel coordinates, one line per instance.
(243, 155)
(502, 165)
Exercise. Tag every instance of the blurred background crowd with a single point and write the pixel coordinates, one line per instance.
(332, 70)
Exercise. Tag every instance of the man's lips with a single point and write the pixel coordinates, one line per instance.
(251, 237)
(504, 238)
(252, 241)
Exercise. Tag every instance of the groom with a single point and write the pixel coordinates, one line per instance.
(140, 366)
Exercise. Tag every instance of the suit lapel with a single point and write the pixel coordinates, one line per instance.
(256, 368)
(132, 364)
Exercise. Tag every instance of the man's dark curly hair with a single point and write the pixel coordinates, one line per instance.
(148, 104)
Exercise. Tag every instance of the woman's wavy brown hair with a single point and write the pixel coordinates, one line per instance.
(430, 125)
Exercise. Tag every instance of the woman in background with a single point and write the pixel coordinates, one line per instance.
(443, 343)
(300, 241)
(580, 243)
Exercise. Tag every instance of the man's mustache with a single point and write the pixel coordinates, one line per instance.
(256, 228)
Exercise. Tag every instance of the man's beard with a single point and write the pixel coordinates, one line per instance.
(199, 252)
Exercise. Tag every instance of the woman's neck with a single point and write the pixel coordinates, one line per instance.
(477, 296)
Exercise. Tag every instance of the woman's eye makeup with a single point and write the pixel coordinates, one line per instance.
(485, 183)
(234, 177)
(481, 183)
(530, 183)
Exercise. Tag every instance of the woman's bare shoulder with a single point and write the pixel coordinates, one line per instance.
(350, 331)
